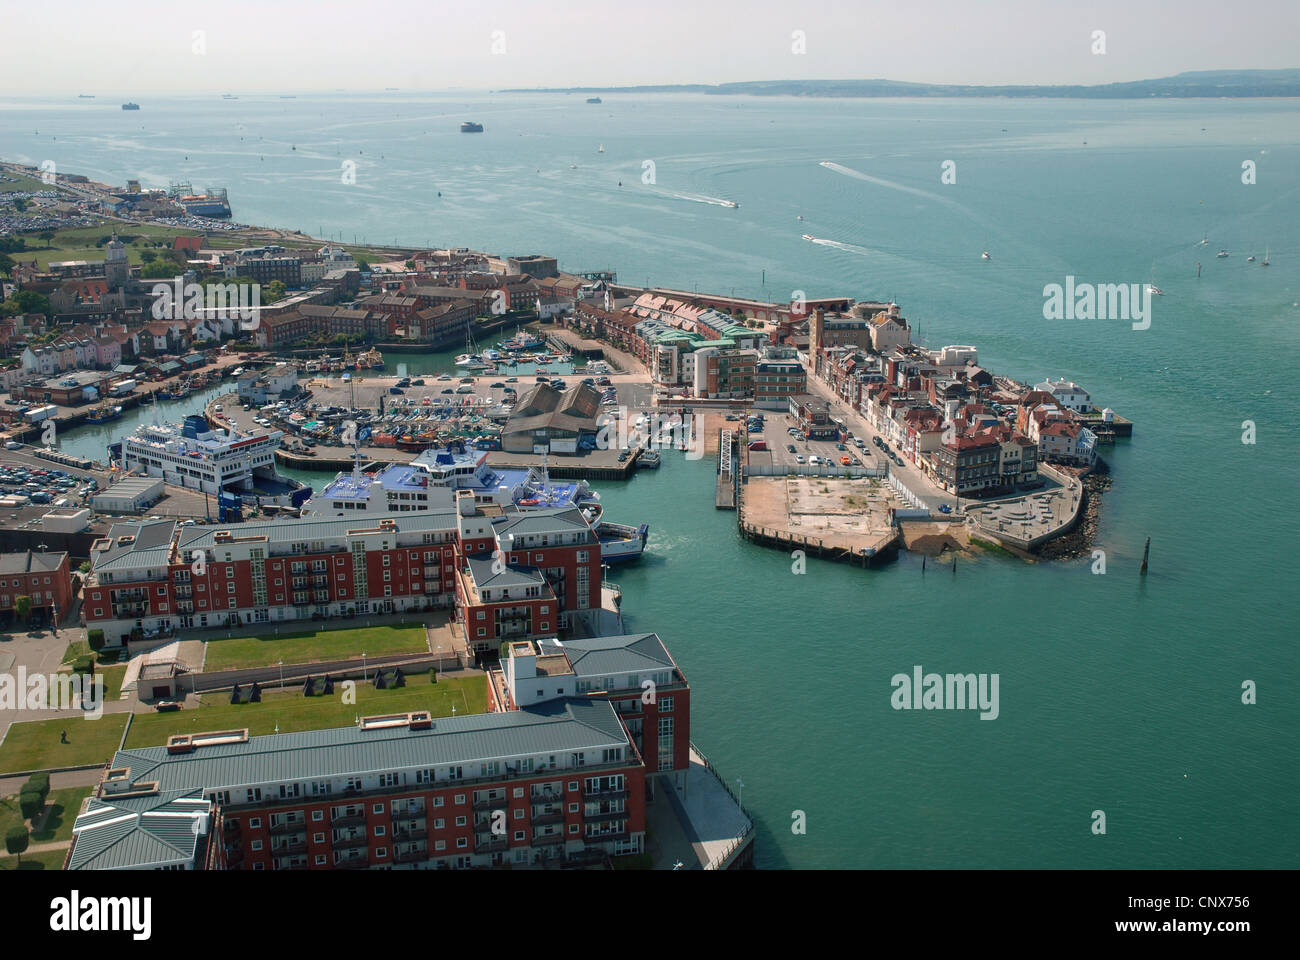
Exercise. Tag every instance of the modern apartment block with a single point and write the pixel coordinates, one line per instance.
(152, 578)
(634, 672)
(559, 783)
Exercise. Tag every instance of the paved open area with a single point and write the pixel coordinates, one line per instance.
(844, 514)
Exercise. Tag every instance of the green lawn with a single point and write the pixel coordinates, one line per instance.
(45, 860)
(293, 712)
(34, 745)
(61, 806)
(314, 646)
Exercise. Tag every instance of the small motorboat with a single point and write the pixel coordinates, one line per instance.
(986, 256)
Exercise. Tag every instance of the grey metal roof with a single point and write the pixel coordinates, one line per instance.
(118, 833)
(480, 568)
(549, 520)
(557, 727)
(301, 531)
(151, 545)
(633, 652)
(28, 562)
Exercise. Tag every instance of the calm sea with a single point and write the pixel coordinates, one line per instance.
(1117, 693)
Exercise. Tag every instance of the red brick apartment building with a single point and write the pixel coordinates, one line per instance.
(45, 577)
(561, 783)
(634, 672)
(144, 580)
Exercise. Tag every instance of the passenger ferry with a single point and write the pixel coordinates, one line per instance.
(193, 455)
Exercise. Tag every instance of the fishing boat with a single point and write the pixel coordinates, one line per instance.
(104, 414)
(1251, 258)
(809, 236)
(730, 203)
(1221, 254)
(469, 126)
(1154, 290)
(648, 460)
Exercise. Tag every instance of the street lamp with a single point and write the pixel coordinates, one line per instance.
(363, 666)
(281, 674)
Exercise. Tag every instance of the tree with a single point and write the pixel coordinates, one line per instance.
(410, 264)
(158, 270)
(276, 290)
(23, 607)
(148, 256)
(29, 301)
(20, 204)
(6, 263)
(16, 840)
(95, 639)
(47, 236)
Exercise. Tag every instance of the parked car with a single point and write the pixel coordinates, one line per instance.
(417, 383)
(944, 508)
(449, 390)
(13, 445)
(498, 385)
(798, 458)
(790, 447)
(167, 706)
(512, 379)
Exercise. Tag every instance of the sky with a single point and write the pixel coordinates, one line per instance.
(137, 47)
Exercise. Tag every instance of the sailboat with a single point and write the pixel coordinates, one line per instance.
(1264, 262)
(601, 148)
(470, 359)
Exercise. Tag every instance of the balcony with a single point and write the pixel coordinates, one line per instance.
(489, 845)
(348, 820)
(555, 816)
(287, 849)
(286, 826)
(411, 856)
(550, 840)
(351, 843)
(608, 815)
(124, 611)
(409, 836)
(353, 863)
(605, 794)
(497, 803)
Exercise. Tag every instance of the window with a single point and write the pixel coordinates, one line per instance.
(573, 808)
(320, 860)
(665, 704)
(381, 853)
(256, 845)
(437, 801)
(573, 828)
(460, 821)
(439, 824)
(461, 843)
(519, 793)
(440, 845)
(519, 834)
(378, 807)
(318, 815)
(318, 838)
(519, 813)
(380, 830)
(254, 823)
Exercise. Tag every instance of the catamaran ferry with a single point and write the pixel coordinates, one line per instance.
(194, 455)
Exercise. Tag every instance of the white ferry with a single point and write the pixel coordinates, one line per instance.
(194, 455)
(431, 480)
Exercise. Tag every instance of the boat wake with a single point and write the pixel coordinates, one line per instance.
(697, 198)
(881, 182)
(838, 245)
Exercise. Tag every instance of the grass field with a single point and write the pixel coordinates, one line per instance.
(45, 860)
(314, 646)
(82, 243)
(293, 712)
(61, 810)
(34, 745)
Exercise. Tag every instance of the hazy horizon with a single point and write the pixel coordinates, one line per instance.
(152, 47)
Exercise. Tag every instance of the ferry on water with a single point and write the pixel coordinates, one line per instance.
(431, 481)
(194, 455)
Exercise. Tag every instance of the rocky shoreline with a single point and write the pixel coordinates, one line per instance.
(1078, 542)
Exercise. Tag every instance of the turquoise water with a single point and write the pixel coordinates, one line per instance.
(1117, 693)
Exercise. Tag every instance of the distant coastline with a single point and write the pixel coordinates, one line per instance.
(1202, 84)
